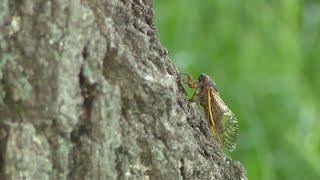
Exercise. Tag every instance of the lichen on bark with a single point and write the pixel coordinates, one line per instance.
(88, 92)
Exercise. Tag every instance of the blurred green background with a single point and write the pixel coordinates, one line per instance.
(264, 56)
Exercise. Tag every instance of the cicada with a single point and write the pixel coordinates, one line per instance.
(223, 122)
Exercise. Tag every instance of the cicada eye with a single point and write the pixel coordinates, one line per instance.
(202, 76)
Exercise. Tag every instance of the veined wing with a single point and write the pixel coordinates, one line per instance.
(225, 122)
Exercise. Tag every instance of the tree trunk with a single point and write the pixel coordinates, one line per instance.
(88, 92)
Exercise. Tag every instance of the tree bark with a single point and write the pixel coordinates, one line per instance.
(88, 92)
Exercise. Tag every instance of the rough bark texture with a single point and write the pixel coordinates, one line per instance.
(88, 92)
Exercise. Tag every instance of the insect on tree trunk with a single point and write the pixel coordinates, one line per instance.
(88, 92)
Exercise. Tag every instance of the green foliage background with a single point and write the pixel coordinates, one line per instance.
(265, 57)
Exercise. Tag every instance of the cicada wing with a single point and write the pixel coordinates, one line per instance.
(225, 121)
(211, 116)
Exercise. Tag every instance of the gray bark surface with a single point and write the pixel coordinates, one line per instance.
(87, 92)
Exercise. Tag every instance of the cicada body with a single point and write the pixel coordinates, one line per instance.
(223, 122)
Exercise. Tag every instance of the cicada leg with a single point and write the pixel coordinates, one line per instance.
(190, 82)
(193, 85)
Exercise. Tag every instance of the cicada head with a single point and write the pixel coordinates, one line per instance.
(203, 77)
(206, 80)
